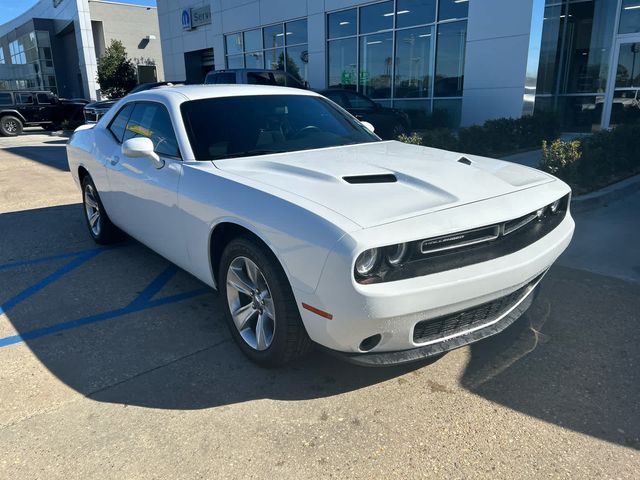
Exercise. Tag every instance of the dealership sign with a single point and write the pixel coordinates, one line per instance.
(196, 17)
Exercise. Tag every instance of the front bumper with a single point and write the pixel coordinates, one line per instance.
(393, 309)
(462, 338)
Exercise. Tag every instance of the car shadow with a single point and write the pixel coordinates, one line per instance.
(48, 154)
(137, 331)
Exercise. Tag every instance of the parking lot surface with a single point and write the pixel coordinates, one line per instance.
(115, 364)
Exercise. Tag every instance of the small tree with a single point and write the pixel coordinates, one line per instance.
(116, 73)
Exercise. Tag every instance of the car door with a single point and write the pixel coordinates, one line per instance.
(48, 110)
(25, 102)
(143, 198)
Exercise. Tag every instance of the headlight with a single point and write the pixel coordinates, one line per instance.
(396, 253)
(367, 262)
(555, 206)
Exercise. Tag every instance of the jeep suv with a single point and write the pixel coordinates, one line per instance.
(19, 109)
(254, 76)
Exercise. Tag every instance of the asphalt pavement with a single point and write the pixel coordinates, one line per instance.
(115, 364)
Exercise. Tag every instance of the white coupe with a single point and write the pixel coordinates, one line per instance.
(313, 229)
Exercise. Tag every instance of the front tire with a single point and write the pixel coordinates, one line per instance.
(100, 228)
(260, 308)
(10, 126)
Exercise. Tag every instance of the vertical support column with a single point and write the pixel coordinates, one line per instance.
(86, 50)
(317, 44)
(502, 52)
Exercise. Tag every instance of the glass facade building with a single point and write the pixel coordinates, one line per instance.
(444, 62)
(589, 71)
(282, 46)
(407, 54)
(26, 62)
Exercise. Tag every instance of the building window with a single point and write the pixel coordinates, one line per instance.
(408, 54)
(577, 37)
(275, 47)
(630, 17)
(1, 55)
(34, 50)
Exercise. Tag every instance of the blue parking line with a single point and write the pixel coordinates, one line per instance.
(100, 317)
(154, 287)
(48, 280)
(53, 258)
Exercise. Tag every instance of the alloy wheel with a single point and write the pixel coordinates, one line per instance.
(11, 126)
(92, 210)
(250, 303)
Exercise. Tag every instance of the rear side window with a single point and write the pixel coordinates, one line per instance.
(5, 99)
(119, 123)
(44, 99)
(24, 98)
(261, 78)
(225, 78)
(152, 120)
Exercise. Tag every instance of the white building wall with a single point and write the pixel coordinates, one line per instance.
(498, 44)
(498, 40)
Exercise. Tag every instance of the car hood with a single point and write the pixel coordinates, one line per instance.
(102, 104)
(426, 179)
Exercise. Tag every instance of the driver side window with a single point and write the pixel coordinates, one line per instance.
(152, 120)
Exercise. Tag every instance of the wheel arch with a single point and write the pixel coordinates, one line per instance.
(12, 113)
(226, 230)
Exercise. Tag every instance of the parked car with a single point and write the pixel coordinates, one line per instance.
(313, 229)
(95, 110)
(388, 122)
(253, 76)
(34, 108)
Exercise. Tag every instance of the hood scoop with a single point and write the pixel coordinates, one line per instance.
(367, 179)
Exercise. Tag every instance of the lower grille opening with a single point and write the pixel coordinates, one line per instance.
(455, 323)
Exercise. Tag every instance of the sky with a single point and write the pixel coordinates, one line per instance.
(9, 9)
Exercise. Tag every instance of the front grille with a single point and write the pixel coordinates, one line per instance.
(458, 322)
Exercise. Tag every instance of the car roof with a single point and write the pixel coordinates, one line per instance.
(199, 92)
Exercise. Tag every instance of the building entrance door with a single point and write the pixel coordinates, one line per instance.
(623, 96)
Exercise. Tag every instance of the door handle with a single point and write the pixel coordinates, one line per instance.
(114, 160)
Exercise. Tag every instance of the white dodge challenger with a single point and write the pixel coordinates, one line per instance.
(315, 231)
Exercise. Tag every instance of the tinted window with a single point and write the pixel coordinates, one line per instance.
(273, 36)
(24, 98)
(253, 40)
(452, 38)
(5, 99)
(450, 9)
(415, 12)
(44, 99)
(376, 17)
(342, 24)
(256, 125)
(358, 101)
(119, 123)
(152, 120)
(343, 55)
(296, 32)
(337, 98)
(261, 78)
(227, 77)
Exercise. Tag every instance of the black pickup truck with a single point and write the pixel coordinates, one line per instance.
(19, 109)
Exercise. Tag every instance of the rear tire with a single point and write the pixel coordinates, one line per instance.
(254, 287)
(10, 126)
(100, 228)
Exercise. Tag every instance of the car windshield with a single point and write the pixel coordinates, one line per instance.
(230, 127)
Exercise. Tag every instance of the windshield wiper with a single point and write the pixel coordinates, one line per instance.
(249, 153)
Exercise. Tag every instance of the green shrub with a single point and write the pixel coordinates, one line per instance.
(440, 138)
(413, 139)
(560, 157)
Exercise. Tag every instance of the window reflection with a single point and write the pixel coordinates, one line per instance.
(342, 24)
(452, 9)
(376, 17)
(413, 62)
(630, 17)
(450, 51)
(415, 12)
(343, 63)
(375, 65)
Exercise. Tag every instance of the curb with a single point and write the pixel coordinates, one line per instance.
(599, 198)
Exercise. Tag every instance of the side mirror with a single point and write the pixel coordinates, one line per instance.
(369, 127)
(141, 147)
